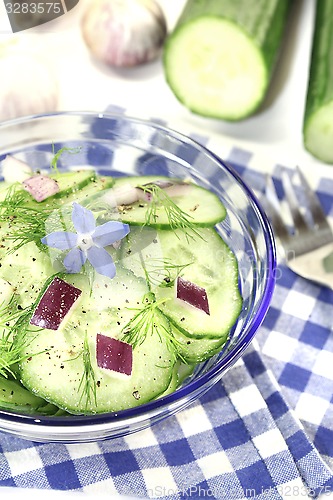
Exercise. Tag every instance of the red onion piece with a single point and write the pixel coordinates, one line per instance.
(171, 187)
(56, 302)
(113, 354)
(192, 294)
(40, 187)
(128, 194)
(15, 170)
(123, 195)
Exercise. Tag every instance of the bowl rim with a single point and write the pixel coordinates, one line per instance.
(207, 379)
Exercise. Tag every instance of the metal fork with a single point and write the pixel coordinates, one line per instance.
(308, 246)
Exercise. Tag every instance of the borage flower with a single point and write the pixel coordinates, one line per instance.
(88, 242)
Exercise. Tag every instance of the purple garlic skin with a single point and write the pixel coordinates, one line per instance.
(27, 86)
(124, 33)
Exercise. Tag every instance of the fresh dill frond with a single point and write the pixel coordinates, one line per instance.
(9, 311)
(177, 218)
(32, 231)
(142, 323)
(88, 382)
(148, 321)
(13, 339)
(25, 223)
(15, 325)
(10, 354)
(60, 152)
(163, 272)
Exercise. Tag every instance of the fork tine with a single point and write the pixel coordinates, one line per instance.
(272, 207)
(298, 219)
(317, 213)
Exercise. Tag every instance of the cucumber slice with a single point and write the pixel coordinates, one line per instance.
(15, 397)
(318, 121)
(204, 260)
(194, 350)
(180, 372)
(201, 206)
(56, 374)
(73, 181)
(219, 59)
(87, 192)
(26, 270)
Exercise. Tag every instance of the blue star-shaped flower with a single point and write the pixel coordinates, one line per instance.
(88, 242)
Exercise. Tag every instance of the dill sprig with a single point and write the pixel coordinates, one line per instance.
(88, 382)
(147, 321)
(59, 153)
(13, 339)
(10, 354)
(26, 223)
(143, 322)
(15, 326)
(177, 218)
(8, 312)
(163, 272)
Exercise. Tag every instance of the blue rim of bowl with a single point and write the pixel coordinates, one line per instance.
(215, 373)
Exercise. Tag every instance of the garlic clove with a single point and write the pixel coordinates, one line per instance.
(124, 33)
(27, 87)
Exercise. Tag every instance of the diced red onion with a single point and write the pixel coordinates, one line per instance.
(113, 354)
(172, 188)
(192, 294)
(123, 195)
(15, 170)
(40, 187)
(128, 194)
(56, 302)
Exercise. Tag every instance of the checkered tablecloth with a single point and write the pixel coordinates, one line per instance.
(265, 431)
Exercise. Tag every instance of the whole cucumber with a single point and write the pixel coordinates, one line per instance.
(318, 116)
(219, 59)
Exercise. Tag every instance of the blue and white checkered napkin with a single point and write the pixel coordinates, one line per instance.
(265, 431)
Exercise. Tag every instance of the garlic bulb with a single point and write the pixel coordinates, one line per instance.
(124, 32)
(15, 170)
(26, 86)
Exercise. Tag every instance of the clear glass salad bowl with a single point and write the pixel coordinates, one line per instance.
(117, 145)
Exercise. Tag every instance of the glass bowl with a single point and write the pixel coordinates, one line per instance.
(117, 145)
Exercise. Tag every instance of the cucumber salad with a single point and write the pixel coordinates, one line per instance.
(112, 290)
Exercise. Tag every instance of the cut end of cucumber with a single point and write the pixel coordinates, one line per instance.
(215, 69)
(318, 134)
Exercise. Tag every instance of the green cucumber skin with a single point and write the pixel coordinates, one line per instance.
(263, 21)
(68, 182)
(15, 397)
(320, 82)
